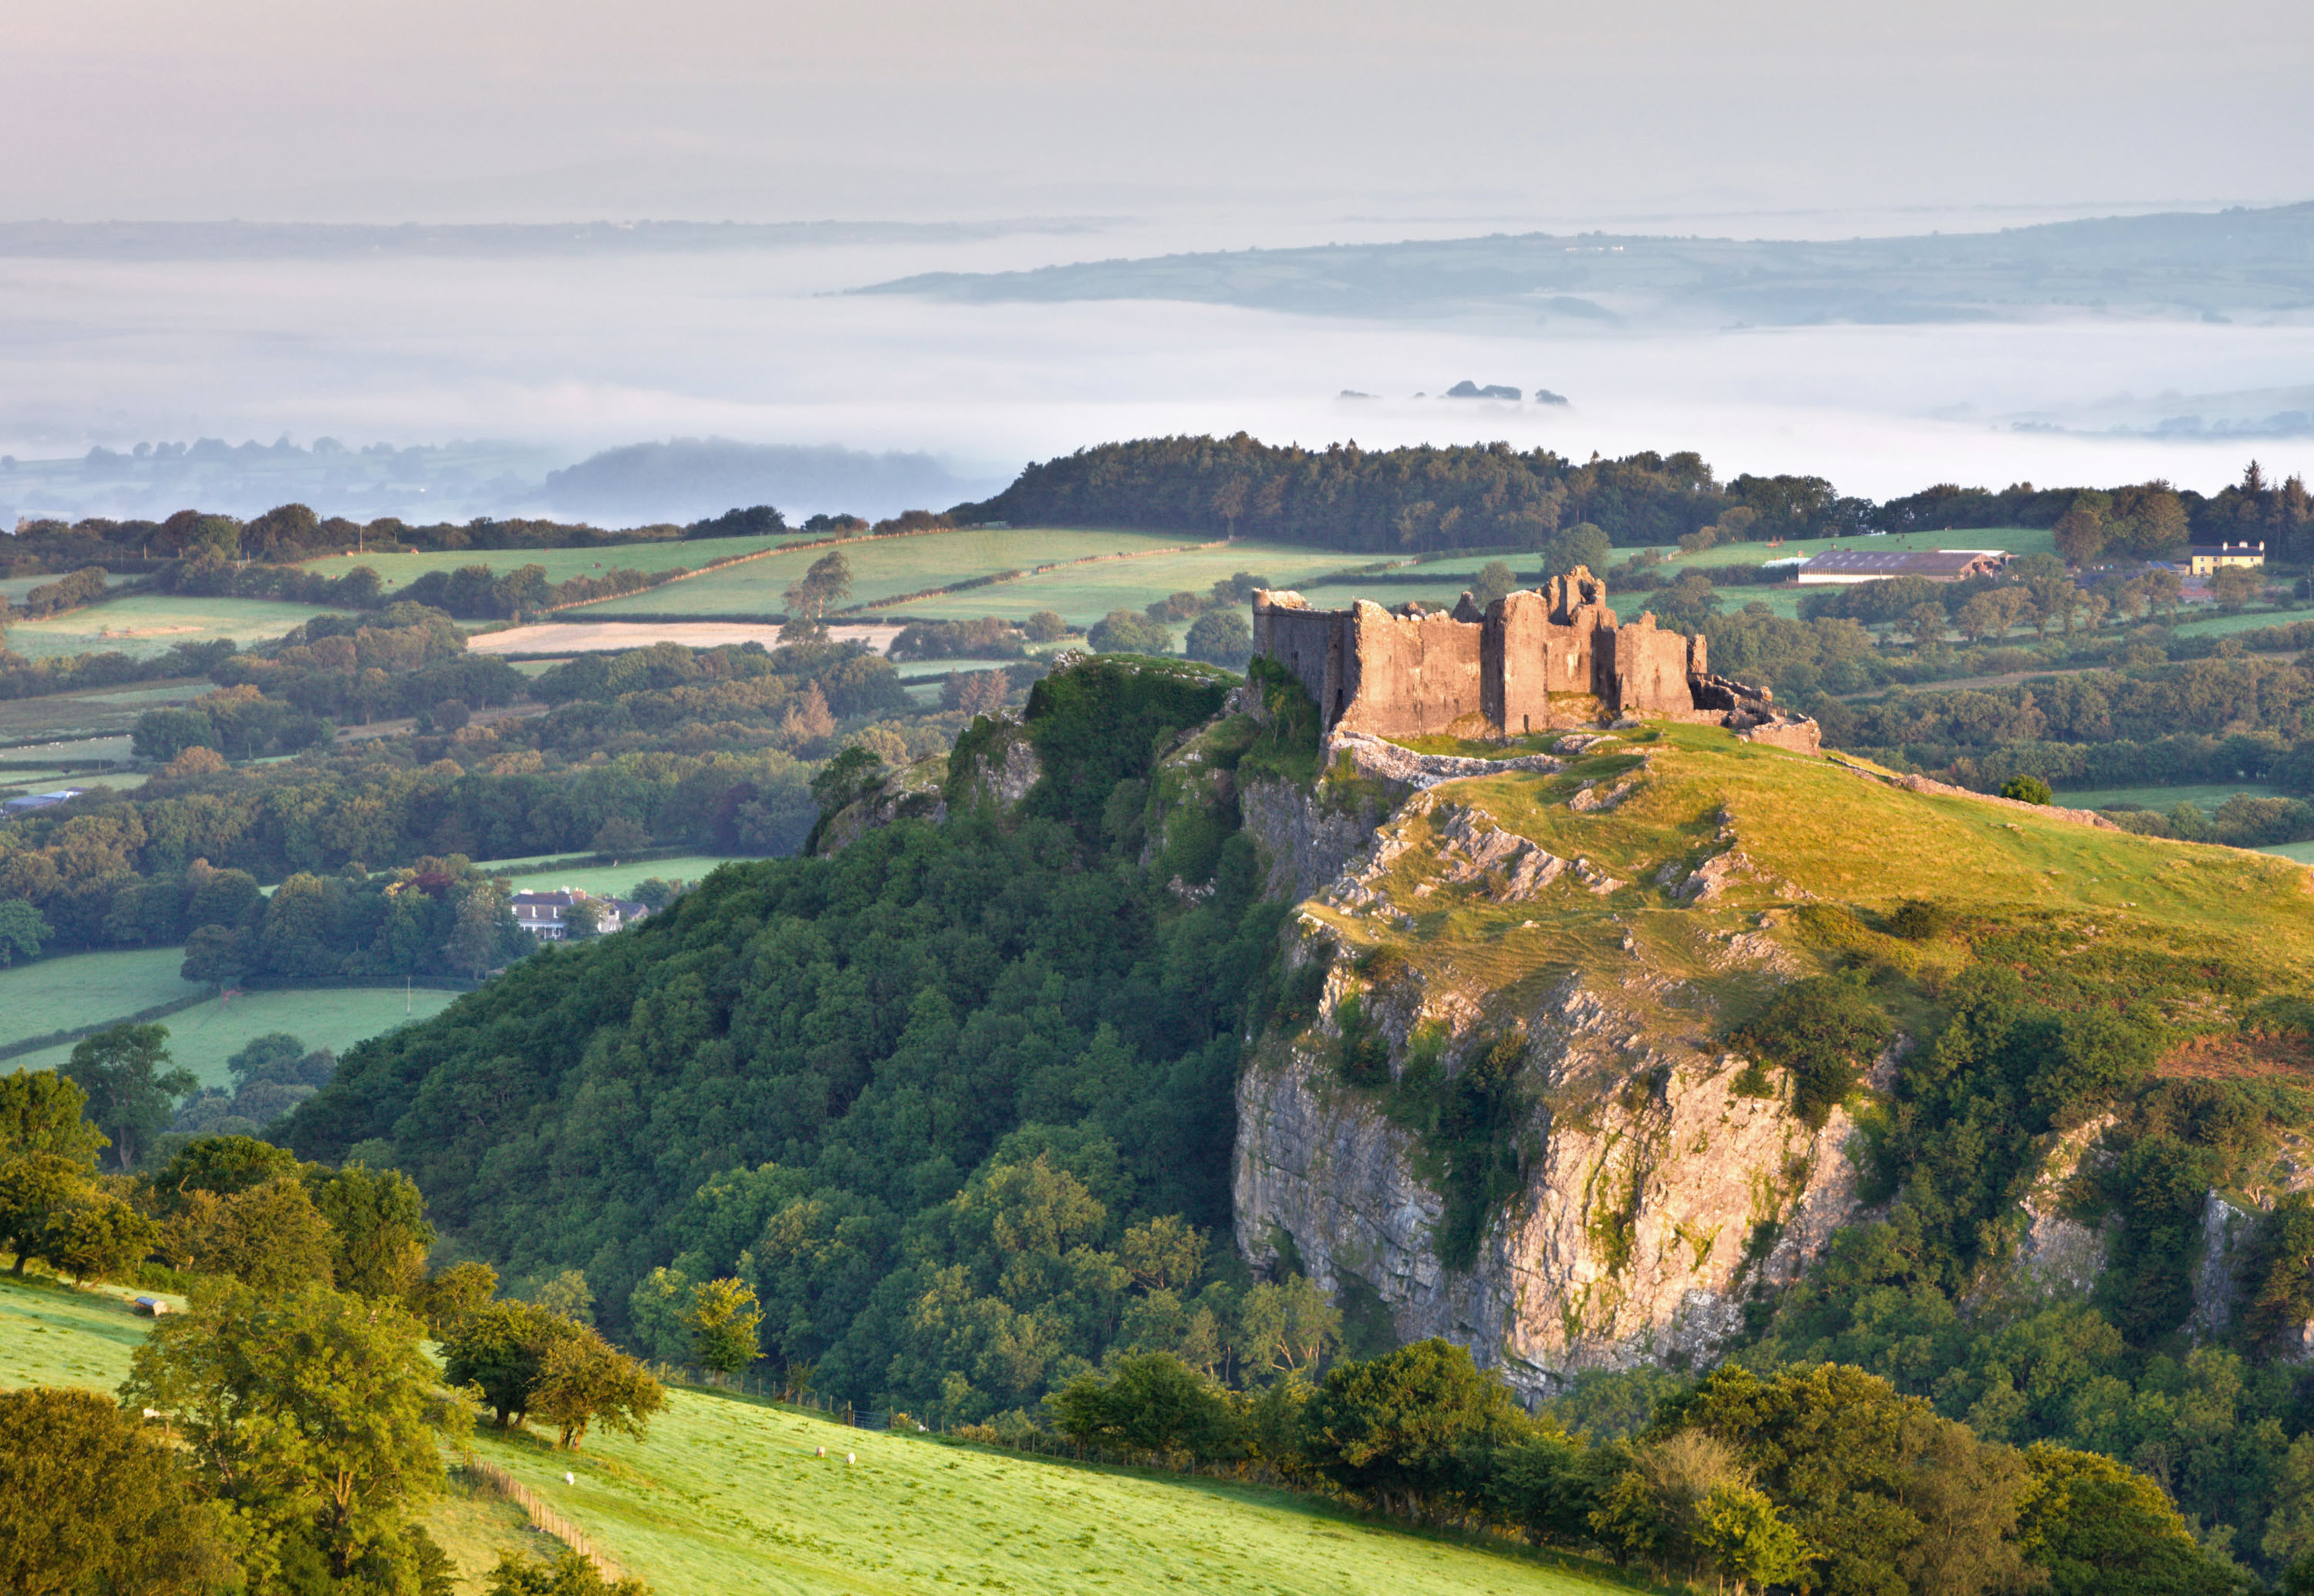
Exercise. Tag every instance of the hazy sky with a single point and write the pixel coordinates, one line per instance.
(1490, 109)
(1199, 124)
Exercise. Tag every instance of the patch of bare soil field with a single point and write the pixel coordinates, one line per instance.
(594, 637)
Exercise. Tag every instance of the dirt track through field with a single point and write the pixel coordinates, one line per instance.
(593, 637)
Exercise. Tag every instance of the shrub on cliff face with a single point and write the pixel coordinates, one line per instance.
(1821, 1032)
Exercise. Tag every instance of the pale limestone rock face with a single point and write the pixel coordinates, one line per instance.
(1003, 772)
(1304, 842)
(2059, 1256)
(1657, 1197)
(2226, 1233)
(912, 792)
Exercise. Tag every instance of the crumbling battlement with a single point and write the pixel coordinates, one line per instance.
(1532, 660)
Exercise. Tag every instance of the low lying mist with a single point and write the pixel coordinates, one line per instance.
(549, 357)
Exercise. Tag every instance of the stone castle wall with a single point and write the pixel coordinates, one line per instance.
(1532, 660)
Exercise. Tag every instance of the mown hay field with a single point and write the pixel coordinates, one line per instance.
(882, 570)
(145, 624)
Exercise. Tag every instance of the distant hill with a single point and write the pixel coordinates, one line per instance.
(2233, 263)
(685, 478)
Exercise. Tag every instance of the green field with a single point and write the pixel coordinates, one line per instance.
(97, 711)
(14, 588)
(603, 880)
(727, 1496)
(147, 623)
(203, 1037)
(398, 570)
(17, 783)
(53, 1335)
(2300, 853)
(1081, 594)
(2218, 626)
(883, 569)
(56, 994)
(2205, 797)
(104, 710)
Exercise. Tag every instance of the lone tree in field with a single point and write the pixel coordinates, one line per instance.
(723, 1321)
(583, 1380)
(131, 1090)
(829, 583)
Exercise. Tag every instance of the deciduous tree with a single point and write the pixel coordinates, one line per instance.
(90, 1504)
(725, 1323)
(131, 1090)
(311, 1414)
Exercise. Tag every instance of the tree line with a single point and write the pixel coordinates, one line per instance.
(1810, 1477)
(1483, 495)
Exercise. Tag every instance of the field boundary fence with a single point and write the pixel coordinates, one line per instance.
(74, 1033)
(728, 560)
(497, 1482)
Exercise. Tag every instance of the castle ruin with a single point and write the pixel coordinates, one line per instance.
(1533, 660)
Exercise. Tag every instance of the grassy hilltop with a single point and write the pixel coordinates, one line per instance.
(1829, 851)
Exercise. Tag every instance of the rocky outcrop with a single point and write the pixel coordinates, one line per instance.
(912, 792)
(1375, 760)
(2058, 1256)
(1305, 841)
(1657, 1196)
(2227, 1232)
(998, 769)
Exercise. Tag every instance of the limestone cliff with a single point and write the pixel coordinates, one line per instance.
(1658, 1188)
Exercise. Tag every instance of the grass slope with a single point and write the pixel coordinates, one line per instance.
(1812, 835)
(727, 1497)
(51, 1335)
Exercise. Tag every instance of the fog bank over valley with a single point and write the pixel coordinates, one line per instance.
(1877, 354)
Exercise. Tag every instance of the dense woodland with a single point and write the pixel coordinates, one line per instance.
(1492, 495)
